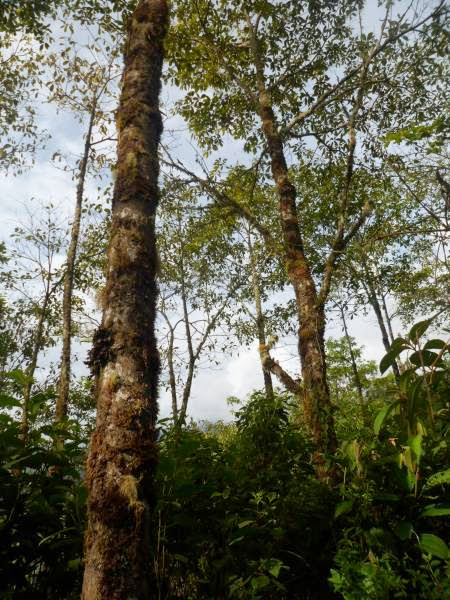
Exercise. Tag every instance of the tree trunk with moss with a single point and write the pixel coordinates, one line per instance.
(124, 358)
(310, 308)
(318, 409)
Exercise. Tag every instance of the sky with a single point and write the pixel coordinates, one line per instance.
(44, 183)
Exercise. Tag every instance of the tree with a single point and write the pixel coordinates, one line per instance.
(16, 15)
(33, 279)
(84, 87)
(251, 71)
(199, 283)
(124, 358)
(20, 79)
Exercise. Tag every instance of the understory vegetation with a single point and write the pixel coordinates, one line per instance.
(240, 513)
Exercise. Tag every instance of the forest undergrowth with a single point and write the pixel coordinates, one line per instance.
(240, 512)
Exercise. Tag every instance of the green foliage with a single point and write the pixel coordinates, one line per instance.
(242, 517)
(240, 513)
(395, 505)
(42, 510)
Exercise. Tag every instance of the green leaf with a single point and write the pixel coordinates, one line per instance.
(181, 558)
(343, 507)
(436, 510)
(260, 582)
(236, 540)
(8, 401)
(275, 567)
(403, 530)
(435, 344)
(389, 359)
(19, 377)
(245, 524)
(434, 545)
(382, 416)
(415, 443)
(418, 329)
(437, 479)
(423, 357)
(379, 419)
(74, 564)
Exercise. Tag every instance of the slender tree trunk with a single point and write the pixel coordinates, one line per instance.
(356, 376)
(64, 379)
(123, 452)
(388, 318)
(191, 361)
(318, 409)
(260, 324)
(31, 369)
(311, 316)
(172, 379)
(373, 299)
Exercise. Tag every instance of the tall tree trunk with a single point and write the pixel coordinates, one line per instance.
(123, 453)
(318, 409)
(191, 354)
(388, 318)
(311, 315)
(356, 376)
(64, 378)
(373, 299)
(260, 324)
(31, 369)
(172, 378)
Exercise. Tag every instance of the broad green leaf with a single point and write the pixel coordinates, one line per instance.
(260, 582)
(436, 510)
(389, 359)
(435, 344)
(437, 479)
(434, 545)
(382, 416)
(379, 419)
(423, 357)
(403, 530)
(415, 444)
(343, 507)
(275, 567)
(418, 329)
(245, 524)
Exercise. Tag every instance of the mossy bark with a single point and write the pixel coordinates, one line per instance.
(318, 408)
(123, 453)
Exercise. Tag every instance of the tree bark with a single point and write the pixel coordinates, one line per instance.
(311, 316)
(318, 409)
(373, 299)
(356, 376)
(260, 321)
(64, 378)
(172, 378)
(388, 318)
(31, 369)
(124, 358)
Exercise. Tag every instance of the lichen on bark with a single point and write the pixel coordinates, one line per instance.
(124, 359)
